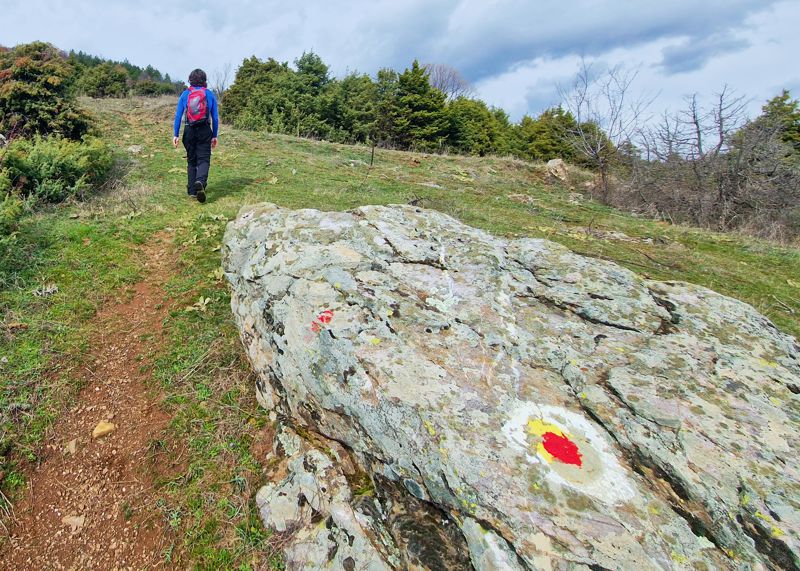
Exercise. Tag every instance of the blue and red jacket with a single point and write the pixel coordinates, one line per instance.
(180, 111)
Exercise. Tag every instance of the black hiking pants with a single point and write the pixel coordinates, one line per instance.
(197, 142)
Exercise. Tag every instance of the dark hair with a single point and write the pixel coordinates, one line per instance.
(197, 78)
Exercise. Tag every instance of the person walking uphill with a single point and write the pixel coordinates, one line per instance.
(198, 106)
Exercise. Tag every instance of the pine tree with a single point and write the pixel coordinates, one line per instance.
(383, 129)
(250, 101)
(302, 95)
(313, 72)
(784, 112)
(104, 80)
(473, 128)
(348, 107)
(548, 136)
(421, 122)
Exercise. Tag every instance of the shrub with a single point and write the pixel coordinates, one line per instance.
(51, 169)
(104, 80)
(5, 182)
(150, 88)
(36, 96)
(10, 212)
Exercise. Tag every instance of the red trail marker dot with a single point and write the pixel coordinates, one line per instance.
(323, 318)
(562, 449)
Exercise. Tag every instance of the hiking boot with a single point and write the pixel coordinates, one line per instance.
(199, 189)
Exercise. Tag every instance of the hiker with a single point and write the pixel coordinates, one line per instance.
(199, 107)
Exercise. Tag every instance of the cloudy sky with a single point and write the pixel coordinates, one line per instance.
(515, 52)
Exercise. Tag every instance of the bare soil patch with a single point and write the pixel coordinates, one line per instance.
(90, 503)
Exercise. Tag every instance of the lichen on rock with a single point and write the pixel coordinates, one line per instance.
(560, 411)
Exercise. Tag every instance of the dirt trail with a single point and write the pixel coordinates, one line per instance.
(90, 503)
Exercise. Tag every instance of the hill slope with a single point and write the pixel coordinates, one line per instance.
(92, 252)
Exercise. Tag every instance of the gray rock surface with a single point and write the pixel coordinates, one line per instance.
(564, 412)
(558, 168)
(314, 502)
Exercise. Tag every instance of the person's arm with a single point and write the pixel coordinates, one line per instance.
(179, 110)
(215, 118)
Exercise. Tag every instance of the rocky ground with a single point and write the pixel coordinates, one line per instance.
(444, 393)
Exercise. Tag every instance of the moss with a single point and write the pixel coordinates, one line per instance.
(361, 484)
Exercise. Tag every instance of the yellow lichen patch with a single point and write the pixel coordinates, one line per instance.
(678, 558)
(538, 427)
(429, 427)
(777, 532)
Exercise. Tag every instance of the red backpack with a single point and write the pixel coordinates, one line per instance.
(197, 106)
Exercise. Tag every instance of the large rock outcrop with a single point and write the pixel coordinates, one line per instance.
(527, 407)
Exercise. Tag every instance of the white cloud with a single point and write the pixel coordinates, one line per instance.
(514, 50)
(759, 66)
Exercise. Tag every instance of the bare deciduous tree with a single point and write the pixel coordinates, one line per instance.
(220, 79)
(448, 80)
(711, 166)
(606, 113)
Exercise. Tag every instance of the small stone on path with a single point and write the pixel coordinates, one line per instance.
(74, 521)
(103, 429)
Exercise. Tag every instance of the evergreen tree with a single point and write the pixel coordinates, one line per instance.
(349, 108)
(386, 107)
(249, 101)
(784, 112)
(302, 95)
(151, 73)
(547, 137)
(312, 72)
(473, 129)
(421, 122)
(505, 140)
(104, 80)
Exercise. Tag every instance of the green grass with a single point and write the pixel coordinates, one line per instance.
(88, 250)
(43, 337)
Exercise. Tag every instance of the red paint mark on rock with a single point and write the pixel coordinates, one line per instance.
(562, 449)
(322, 319)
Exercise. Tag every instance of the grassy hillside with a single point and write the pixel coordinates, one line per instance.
(90, 252)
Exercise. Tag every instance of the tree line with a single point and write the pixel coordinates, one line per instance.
(714, 167)
(424, 108)
(100, 77)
